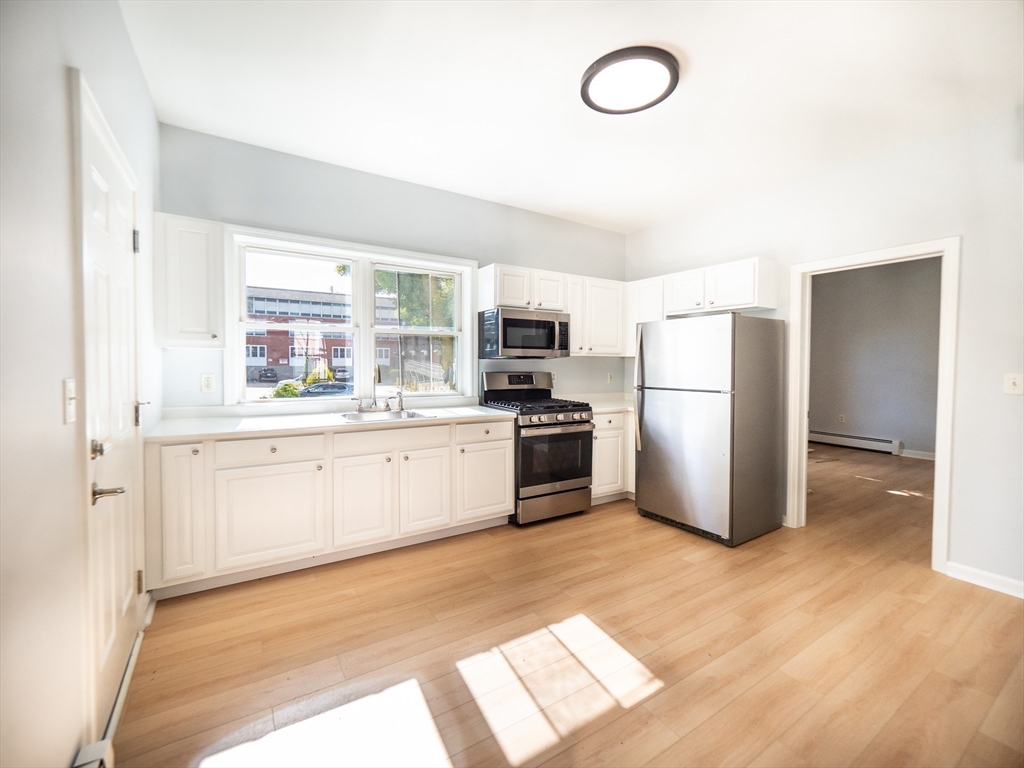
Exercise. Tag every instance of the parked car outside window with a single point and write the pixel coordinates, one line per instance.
(267, 374)
(327, 388)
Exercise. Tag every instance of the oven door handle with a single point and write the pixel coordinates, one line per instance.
(556, 430)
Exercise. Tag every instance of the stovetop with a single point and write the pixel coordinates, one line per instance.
(529, 395)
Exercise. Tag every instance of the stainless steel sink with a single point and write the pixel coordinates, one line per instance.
(384, 416)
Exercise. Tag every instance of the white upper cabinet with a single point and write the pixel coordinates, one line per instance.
(188, 274)
(746, 284)
(603, 329)
(644, 303)
(502, 285)
(596, 316)
(684, 292)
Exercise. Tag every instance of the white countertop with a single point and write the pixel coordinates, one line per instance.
(177, 430)
(605, 402)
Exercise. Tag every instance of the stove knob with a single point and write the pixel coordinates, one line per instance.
(560, 417)
(534, 419)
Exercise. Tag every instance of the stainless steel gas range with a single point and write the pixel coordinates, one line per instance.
(554, 444)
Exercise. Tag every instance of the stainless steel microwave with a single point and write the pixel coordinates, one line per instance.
(522, 333)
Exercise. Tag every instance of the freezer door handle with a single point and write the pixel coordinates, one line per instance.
(636, 415)
(639, 354)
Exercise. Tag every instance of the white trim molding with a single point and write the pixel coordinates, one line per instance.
(799, 379)
(1004, 584)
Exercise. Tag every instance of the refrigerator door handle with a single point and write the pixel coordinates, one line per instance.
(636, 415)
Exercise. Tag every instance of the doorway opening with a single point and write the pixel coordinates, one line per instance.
(799, 428)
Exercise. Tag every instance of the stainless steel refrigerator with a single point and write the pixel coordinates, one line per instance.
(710, 425)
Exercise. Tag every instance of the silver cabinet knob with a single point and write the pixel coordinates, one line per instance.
(711, 302)
(273, 449)
(487, 431)
(539, 304)
(527, 303)
(319, 467)
(462, 450)
(609, 421)
(405, 458)
(595, 437)
(590, 349)
(195, 451)
(213, 335)
(696, 303)
(388, 459)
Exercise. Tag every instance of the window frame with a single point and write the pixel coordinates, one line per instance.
(364, 259)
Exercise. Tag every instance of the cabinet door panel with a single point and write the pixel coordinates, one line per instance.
(425, 484)
(266, 514)
(363, 499)
(731, 285)
(514, 286)
(190, 259)
(575, 297)
(604, 301)
(684, 292)
(549, 291)
(484, 473)
(608, 462)
(183, 523)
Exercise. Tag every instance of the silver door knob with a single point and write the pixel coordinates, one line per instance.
(99, 493)
(213, 335)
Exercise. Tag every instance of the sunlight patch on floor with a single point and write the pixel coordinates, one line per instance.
(390, 728)
(540, 687)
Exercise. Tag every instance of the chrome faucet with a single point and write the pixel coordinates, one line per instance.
(373, 402)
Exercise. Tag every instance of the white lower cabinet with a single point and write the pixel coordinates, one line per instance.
(608, 467)
(183, 498)
(269, 513)
(485, 474)
(425, 489)
(363, 499)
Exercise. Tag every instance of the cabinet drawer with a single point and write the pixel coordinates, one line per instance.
(268, 450)
(609, 421)
(379, 441)
(479, 433)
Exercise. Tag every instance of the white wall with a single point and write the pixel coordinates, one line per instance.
(42, 539)
(221, 180)
(875, 352)
(969, 183)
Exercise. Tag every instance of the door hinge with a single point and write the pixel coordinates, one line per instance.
(135, 241)
(138, 583)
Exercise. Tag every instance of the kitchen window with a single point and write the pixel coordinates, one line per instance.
(415, 329)
(313, 311)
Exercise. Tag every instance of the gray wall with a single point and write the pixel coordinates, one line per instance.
(875, 352)
(42, 518)
(221, 180)
(968, 183)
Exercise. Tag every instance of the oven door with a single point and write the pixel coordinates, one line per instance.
(554, 458)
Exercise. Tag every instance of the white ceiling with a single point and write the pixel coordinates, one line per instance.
(482, 98)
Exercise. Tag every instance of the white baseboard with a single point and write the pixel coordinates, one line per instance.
(596, 500)
(994, 581)
(882, 445)
(918, 455)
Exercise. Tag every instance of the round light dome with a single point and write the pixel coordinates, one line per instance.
(630, 80)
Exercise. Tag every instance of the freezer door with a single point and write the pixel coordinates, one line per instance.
(687, 353)
(683, 470)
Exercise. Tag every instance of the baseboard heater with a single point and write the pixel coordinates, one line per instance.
(854, 441)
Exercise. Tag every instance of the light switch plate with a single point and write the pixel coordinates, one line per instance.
(70, 401)
(206, 382)
(1013, 384)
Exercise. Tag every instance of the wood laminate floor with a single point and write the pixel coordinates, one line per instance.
(604, 639)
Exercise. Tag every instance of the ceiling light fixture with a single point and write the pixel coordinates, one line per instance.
(630, 80)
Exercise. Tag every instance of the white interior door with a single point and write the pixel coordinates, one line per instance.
(108, 199)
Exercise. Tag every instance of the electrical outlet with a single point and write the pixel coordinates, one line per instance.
(842, 418)
(609, 378)
(206, 382)
(1013, 384)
